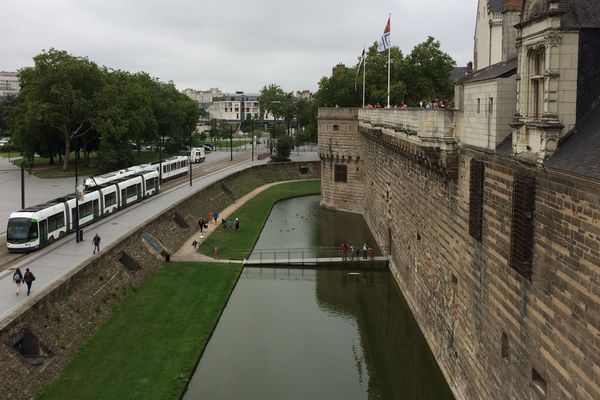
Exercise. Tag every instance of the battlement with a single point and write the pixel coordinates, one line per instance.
(426, 134)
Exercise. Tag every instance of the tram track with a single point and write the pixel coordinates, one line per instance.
(8, 259)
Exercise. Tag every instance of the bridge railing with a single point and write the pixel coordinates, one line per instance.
(307, 253)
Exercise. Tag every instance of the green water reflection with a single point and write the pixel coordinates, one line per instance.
(316, 334)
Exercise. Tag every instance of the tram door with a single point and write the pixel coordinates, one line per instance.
(123, 197)
(96, 207)
(43, 231)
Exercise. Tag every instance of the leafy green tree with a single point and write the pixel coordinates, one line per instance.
(6, 103)
(429, 69)
(59, 92)
(277, 131)
(283, 148)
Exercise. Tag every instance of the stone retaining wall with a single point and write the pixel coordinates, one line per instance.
(76, 306)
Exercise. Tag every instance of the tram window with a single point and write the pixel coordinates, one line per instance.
(18, 228)
(33, 231)
(151, 184)
(110, 199)
(56, 221)
(86, 209)
(131, 191)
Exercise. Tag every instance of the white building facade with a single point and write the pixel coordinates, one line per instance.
(9, 84)
(237, 107)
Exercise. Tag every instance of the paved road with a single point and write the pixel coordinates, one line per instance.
(51, 264)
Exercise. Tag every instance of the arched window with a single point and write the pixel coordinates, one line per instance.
(536, 77)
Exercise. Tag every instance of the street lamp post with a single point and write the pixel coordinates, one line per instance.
(190, 155)
(76, 195)
(160, 159)
(22, 184)
(231, 142)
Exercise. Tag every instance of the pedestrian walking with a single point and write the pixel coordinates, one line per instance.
(18, 279)
(216, 253)
(229, 223)
(96, 242)
(201, 224)
(224, 223)
(28, 278)
(237, 224)
(216, 216)
(194, 243)
(343, 251)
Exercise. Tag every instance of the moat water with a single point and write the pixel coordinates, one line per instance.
(316, 334)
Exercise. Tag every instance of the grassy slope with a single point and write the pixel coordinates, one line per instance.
(237, 245)
(150, 345)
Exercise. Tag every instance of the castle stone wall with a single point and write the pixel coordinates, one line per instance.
(341, 144)
(494, 333)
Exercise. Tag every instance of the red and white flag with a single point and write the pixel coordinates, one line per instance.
(384, 42)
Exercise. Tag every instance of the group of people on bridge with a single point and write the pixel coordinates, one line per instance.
(352, 252)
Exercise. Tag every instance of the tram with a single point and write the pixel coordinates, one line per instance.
(39, 225)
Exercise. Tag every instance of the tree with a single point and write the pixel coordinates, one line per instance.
(283, 149)
(429, 69)
(6, 103)
(58, 92)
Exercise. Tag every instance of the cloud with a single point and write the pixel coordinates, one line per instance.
(233, 45)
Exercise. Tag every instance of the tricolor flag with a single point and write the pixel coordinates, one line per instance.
(360, 65)
(384, 42)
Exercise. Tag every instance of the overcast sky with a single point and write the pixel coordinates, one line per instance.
(230, 44)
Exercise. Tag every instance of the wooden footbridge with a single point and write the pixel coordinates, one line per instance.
(316, 257)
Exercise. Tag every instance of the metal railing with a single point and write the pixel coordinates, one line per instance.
(314, 254)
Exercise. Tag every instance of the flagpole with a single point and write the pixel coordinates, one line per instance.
(364, 75)
(389, 57)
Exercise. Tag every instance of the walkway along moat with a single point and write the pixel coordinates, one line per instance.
(316, 334)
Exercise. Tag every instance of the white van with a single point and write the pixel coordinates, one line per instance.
(197, 155)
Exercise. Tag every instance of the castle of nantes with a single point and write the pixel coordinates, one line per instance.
(490, 211)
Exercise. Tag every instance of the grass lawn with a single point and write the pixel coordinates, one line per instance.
(150, 345)
(237, 245)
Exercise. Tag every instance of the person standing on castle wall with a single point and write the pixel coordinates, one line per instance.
(28, 278)
(365, 249)
(370, 252)
(351, 249)
(96, 243)
(18, 279)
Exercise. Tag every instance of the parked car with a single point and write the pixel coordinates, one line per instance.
(4, 141)
(153, 147)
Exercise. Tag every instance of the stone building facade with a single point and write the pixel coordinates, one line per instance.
(493, 237)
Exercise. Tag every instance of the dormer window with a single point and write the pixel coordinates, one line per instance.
(536, 76)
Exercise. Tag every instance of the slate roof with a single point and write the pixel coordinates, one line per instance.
(458, 72)
(495, 5)
(580, 152)
(502, 69)
(580, 13)
(505, 148)
(576, 14)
